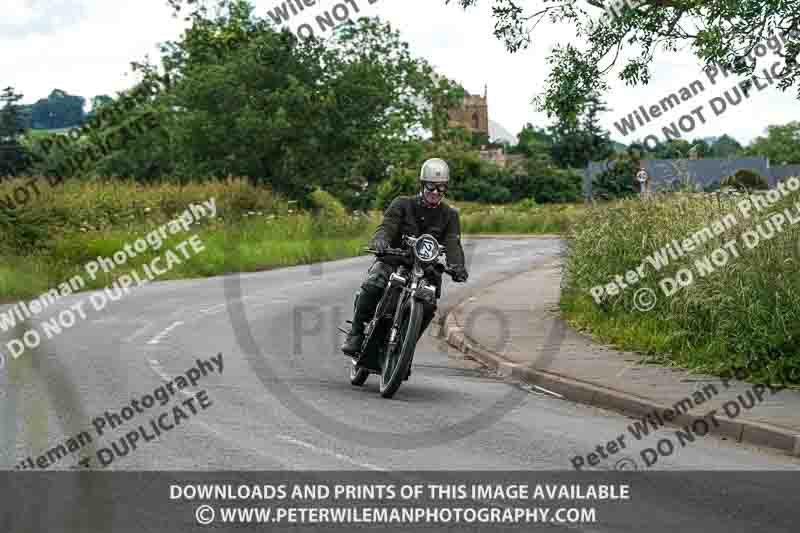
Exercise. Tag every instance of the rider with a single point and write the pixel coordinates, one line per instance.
(414, 216)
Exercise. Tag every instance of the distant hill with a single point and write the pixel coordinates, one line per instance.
(619, 147)
(498, 133)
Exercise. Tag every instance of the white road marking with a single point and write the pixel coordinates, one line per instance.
(223, 307)
(161, 336)
(138, 332)
(158, 369)
(107, 320)
(557, 395)
(323, 451)
(213, 309)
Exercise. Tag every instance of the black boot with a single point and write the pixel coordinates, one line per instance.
(364, 309)
(352, 345)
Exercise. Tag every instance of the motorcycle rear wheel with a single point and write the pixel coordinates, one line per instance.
(396, 364)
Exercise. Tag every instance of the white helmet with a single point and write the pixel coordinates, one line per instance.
(435, 170)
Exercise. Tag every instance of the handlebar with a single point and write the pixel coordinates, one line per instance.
(399, 252)
(390, 251)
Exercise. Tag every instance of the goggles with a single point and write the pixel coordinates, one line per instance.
(430, 187)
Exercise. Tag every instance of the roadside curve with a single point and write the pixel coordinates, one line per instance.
(588, 373)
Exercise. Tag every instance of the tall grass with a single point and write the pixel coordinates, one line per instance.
(746, 313)
(523, 217)
(61, 228)
(53, 236)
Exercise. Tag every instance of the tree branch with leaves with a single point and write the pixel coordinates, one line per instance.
(721, 32)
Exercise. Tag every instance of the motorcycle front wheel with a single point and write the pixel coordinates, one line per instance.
(358, 375)
(396, 363)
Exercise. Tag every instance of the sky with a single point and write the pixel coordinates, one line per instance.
(85, 47)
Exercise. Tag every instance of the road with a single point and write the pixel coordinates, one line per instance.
(283, 400)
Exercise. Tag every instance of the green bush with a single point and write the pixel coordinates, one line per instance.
(15, 158)
(78, 207)
(746, 179)
(21, 230)
(465, 166)
(474, 180)
(50, 238)
(549, 184)
(326, 204)
(525, 205)
(402, 182)
(485, 191)
(616, 181)
(330, 217)
(485, 183)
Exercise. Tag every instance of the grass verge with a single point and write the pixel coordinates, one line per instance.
(523, 217)
(741, 313)
(59, 229)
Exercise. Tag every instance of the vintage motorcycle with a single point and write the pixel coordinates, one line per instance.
(391, 336)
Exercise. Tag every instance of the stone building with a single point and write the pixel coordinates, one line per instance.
(493, 155)
(473, 114)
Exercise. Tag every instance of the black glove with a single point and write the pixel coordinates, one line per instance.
(460, 274)
(380, 245)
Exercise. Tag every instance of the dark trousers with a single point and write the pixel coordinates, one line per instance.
(371, 292)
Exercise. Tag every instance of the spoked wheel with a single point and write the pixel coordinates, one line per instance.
(395, 365)
(358, 375)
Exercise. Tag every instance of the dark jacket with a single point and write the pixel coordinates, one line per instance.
(408, 215)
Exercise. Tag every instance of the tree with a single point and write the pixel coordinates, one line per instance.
(726, 147)
(14, 158)
(534, 143)
(617, 180)
(336, 113)
(781, 145)
(246, 99)
(701, 148)
(599, 140)
(672, 149)
(479, 139)
(547, 183)
(98, 102)
(580, 140)
(721, 32)
(59, 110)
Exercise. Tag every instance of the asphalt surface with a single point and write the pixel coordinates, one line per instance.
(283, 400)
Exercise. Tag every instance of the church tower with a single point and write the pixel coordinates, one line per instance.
(473, 113)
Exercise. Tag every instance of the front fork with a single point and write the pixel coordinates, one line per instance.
(400, 278)
(425, 294)
(390, 293)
